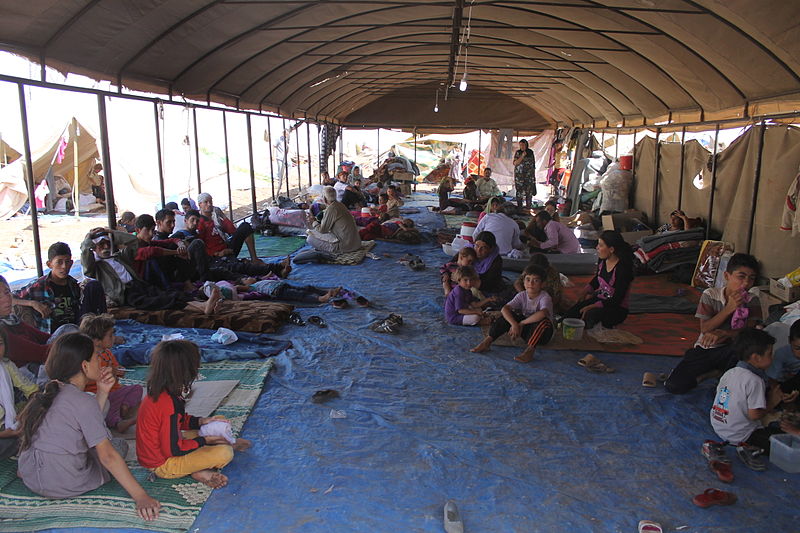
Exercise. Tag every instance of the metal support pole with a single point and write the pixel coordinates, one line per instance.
(160, 157)
(227, 163)
(308, 147)
(616, 146)
(252, 166)
(197, 148)
(297, 151)
(26, 141)
(713, 182)
(341, 146)
(319, 153)
(631, 192)
(756, 182)
(271, 166)
(379, 148)
(109, 183)
(415, 156)
(285, 169)
(654, 204)
(683, 161)
(480, 151)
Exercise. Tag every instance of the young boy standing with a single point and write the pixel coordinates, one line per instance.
(56, 297)
(123, 400)
(743, 399)
(723, 313)
(528, 315)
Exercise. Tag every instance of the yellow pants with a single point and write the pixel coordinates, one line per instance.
(200, 459)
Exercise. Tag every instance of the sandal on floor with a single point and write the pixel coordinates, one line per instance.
(340, 303)
(714, 497)
(322, 396)
(593, 364)
(648, 526)
(649, 380)
(363, 302)
(317, 321)
(296, 319)
(723, 470)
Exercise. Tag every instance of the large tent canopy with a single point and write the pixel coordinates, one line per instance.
(529, 64)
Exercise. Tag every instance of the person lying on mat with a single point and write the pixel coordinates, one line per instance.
(528, 315)
(679, 221)
(387, 230)
(65, 447)
(723, 313)
(605, 299)
(337, 232)
(167, 439)
(279, 289)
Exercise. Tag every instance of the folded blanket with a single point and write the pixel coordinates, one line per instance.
(651, 242)
(352, 258)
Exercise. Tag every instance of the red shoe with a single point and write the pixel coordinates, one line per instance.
(722, 469)
(714, 497)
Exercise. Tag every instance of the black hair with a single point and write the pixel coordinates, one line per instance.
(173, 367)
(742, 260)
(487, 237)
(171, 205)
(527, 146)
(544, 215)
(192, 213)
(465, 272)
(750, 341)
(66, 355)
(487, 168)
(58, 248)
(145, 221)
(186, 201)
(623, 251)
(162, 214)
(468, 250)
(794, 330)
(540, 260)
(551, 202)
(535, 270)
(126, 217)
(496, 200)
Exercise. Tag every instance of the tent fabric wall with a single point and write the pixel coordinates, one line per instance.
(669, 174)
(644, 179)
(694, 201)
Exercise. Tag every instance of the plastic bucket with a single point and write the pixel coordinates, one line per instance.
(626, 162)
(365, 211)
(468, 229)
(572, 329)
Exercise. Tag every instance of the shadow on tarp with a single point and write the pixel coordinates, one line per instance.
(544, 446)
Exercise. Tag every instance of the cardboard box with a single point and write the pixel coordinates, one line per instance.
(785, 294)
(624, 223)
(405, 189)
(402, 176)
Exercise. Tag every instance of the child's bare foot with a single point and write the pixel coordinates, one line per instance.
(125, 425)
(286, 267)
(213, 300)
(211, 478)
(526, 356)
(483, 346)
(333, 293)
(241, 445)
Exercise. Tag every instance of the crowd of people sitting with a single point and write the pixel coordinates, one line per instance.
(187, 258)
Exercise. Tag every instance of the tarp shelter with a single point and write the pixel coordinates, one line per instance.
(7, 153)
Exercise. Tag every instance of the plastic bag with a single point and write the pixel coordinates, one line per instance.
(224, 336)
(218, 428)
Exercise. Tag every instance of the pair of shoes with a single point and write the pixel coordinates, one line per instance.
(317, 321)
(390, 324)
(296, 319)
(752, 457)
(714, 451)
(395, 319)
(417, 263)
(340, 303)
(322, 396)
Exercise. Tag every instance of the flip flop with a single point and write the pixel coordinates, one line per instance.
(322, 396)
(296, 319)
(363, 302)
(649, 380)
(593, 364)
(723, 470)
(714, 497)
(317, 321)
(340, 303)
(648, 526)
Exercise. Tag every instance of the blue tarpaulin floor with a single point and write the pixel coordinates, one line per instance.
(544, 446)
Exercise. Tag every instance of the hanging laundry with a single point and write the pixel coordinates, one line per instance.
(62, 148)
(790, 222)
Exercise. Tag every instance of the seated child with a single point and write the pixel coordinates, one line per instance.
(281, 289)
(785, 367)
(387, 230)
(465, 257)
(528, 315)
(743, 399)
(161, 444)
(723, 312)
(394, 203)
(552, 283)
(123, 400)
(461, 307)
(15, 389)
(56, 297)
(66, 449)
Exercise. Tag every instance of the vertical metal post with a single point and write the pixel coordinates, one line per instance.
(109, 183)
(756, 182)
(156, 117)
(308, 147)
(713, 181)
(297, 147)
(341, 146)
(196, 149)
(271, 166)
(252, 166)
(632, 190)
(683, 161)
(616, 146)
(319, 153)
(285, 160)
(227, 163)
(654, 204)
(378, 150)
(26, 141)
(76, 179)
(480, 150)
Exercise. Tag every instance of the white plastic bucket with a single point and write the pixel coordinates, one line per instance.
(572, 329)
